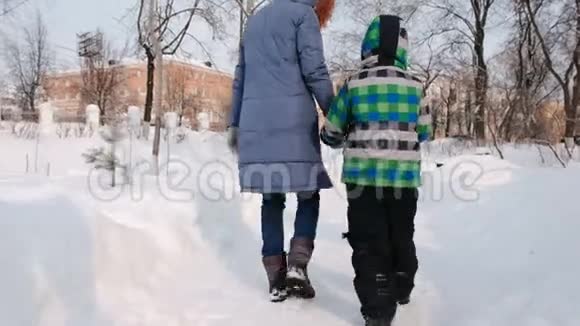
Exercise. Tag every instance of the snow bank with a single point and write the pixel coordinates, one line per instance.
(496, 239)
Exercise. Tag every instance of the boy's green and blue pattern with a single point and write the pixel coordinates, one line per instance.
(378, 117)
(372, 40)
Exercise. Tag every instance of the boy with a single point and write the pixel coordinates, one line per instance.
(378, 118)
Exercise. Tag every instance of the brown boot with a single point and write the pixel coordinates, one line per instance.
(276, 268)
(297, 280)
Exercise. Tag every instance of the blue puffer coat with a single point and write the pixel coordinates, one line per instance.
(281, 70)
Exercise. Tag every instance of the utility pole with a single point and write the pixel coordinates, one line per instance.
(249, 5)
(242, 20)
(154, 33)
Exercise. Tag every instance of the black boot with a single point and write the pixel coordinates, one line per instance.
(404, 285)
(276, 269)
(297, 280)
(377, 322)
(374, 285)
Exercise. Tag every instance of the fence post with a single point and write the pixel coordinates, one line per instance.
(46, 118)
(92, 117)
(171, 121)
(37, 145)
(134, 123)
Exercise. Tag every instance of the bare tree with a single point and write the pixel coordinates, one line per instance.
(521, 81)
(247, 9)
(568, 77)
(448, 96)
(429, 67)
(29, 63)
(357, 15)
(101, 78)
(3, 98)
(3, 88)
(181, 98)
(467, 26)
(171, 29)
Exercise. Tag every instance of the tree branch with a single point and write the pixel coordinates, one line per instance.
(176, 42)
(545, 50)
(9, 10)
(207, 53)
(450, 11)
(139, 20)
(243, 8)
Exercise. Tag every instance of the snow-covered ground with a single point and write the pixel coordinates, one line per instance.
(498, 242)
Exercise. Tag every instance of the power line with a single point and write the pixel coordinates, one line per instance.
(62, 47)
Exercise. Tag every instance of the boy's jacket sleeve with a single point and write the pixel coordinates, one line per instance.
(424, 127)
(335, 127)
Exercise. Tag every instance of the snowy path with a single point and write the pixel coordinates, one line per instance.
(509, 258)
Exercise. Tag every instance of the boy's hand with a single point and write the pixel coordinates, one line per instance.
(334, 140)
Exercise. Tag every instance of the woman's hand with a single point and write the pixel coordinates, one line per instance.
(233, 139)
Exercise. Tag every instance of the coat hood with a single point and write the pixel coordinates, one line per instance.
(386, 43)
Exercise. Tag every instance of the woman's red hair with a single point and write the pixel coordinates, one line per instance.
(324, 9)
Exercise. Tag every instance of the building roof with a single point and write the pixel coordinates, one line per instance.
(133, 62)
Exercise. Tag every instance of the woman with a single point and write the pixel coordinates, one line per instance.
(274, 128)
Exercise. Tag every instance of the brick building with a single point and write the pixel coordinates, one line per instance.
(189, 88)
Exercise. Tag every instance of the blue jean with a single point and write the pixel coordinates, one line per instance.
(305, 223)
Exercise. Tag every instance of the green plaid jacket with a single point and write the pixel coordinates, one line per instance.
(380, 121)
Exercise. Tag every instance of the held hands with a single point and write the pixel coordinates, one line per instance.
(233, 139)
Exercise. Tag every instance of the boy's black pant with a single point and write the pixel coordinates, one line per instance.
(381, 228)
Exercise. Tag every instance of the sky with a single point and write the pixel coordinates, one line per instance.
(66, 18)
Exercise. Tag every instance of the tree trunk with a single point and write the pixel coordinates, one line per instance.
(436, 118)
(573, 118)
(576, 100)
(102, 110)
(451, 109)
(481, 85)
(468, 115)
(448, 122)
(150, 86)
(32, 103)
(506, 129)
(571, 110)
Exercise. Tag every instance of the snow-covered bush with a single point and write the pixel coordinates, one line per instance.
(70, 130)
(104, 159)
(25, 129)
